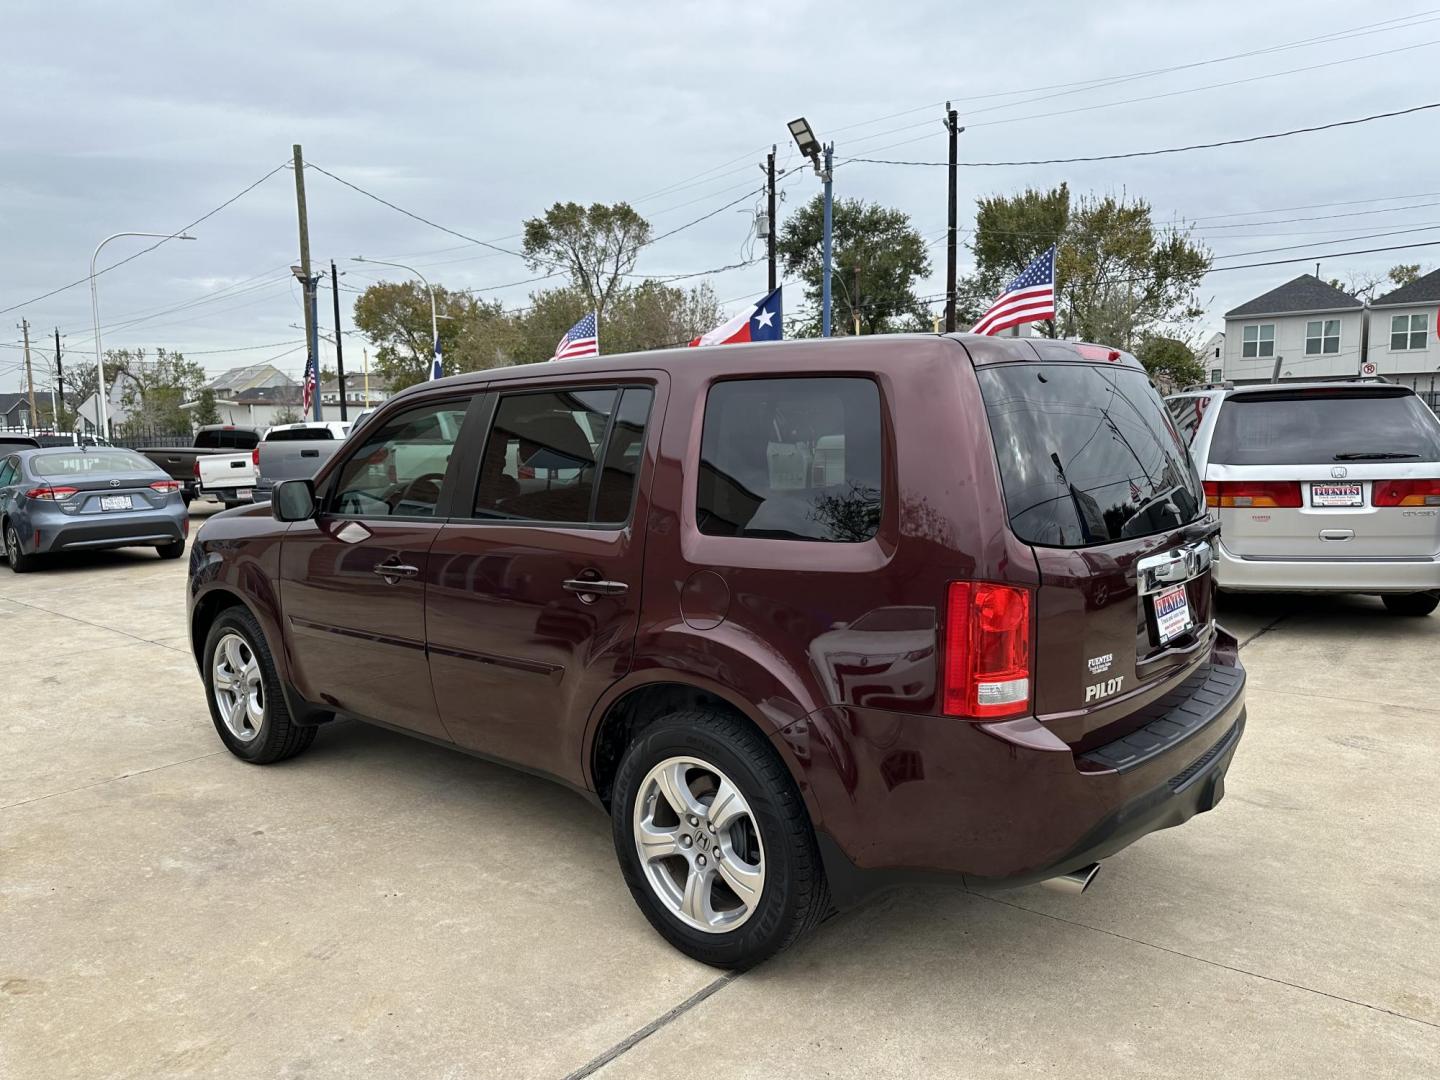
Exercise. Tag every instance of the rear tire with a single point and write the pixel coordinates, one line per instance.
(20, 563)
(171, 551)
(248, 707)
(764, 838)
(1418, 603)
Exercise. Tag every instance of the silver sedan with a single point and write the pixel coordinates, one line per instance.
(77, 498)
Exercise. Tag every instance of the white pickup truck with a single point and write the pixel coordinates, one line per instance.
(226, 478)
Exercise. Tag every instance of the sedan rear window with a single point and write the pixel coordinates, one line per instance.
(1087, 454)
(89, 463)
(1322, 425)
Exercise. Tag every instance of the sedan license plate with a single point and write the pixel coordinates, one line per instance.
(1172, 613)
(1337, 495)
(115, 502)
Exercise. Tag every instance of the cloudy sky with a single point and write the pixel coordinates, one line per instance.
(144, 116)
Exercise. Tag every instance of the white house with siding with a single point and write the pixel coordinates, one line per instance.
(1403, 324)
(1311, 329)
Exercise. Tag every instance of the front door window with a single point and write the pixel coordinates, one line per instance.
(399, 467)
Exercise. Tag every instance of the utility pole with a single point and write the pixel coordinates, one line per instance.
(339, 353)
(365, 360)
(952, 125)
(59, 369)
(825, 245)
(307, 280)
(770, 212)
(29, 372)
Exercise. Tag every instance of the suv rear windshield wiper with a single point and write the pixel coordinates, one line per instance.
(1373, 455)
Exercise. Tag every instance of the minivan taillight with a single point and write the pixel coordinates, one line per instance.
(987, 650)
(1406, 493)
(1244, 494)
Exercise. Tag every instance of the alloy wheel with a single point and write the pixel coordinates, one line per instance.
(239, 689)
(699, 845)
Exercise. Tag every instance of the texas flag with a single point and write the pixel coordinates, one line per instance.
(763, 322)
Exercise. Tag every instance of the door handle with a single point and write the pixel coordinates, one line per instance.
(392, 570)
(588, 589)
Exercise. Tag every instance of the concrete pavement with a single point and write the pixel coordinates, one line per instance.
(382, 907)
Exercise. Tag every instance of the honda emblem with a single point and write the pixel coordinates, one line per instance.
(1339, 472)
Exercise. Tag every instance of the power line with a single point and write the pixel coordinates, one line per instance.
(152, 247)
(1156, 153)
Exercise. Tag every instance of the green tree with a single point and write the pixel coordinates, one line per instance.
(596, 246)
(651, 315)
(877, 258)
(1119, 277)
(395, 317)
(155, 387)
(1170, 361)
(206, 411)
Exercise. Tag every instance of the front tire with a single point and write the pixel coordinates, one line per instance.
(20, 563)
(1419, 603)
(714, 840)
(242, 688)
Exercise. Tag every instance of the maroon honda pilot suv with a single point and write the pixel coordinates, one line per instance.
(806, 618)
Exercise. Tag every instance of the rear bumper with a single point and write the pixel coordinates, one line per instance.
(1328, 575)
(906, 798)
(147, 529)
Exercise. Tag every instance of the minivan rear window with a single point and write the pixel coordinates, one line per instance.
(1088, 454)
(1322, 425)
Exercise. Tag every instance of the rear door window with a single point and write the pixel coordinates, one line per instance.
(1188, 412)
(1087, 454)
(791, 459)
(1323, 425)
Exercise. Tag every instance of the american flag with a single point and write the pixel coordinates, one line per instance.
(307, 396)
(1029, 298)
(582, 339)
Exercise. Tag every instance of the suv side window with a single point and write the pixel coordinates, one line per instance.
(399, 466)
(791, 459)
(564, 456)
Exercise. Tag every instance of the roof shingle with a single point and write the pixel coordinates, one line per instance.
(1304, 293)
(1424, 290)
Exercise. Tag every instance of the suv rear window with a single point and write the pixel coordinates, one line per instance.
(1087, 454)
(1300, 427)
(791, 459)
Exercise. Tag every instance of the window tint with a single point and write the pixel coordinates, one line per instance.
(567, 456)
(1187, 412)
(399, 466)
(80, 462)
(791, 459)
(228, 439)
(1312, 426)
(312, 434)
(1087, 454)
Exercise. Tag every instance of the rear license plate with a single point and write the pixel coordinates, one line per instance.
(1337, 495)
(115, 502)
(244, 493)
(1172, 613)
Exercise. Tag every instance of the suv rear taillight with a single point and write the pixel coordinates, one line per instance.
(1284, 494)
(1406, 493)
(987, 650)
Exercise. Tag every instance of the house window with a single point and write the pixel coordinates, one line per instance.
(1408, 332)
(1216, 374)
(1322, 337)
(1258, 340)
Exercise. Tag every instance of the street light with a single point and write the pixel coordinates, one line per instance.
(102, 403)
(823, 160)
(436, 370)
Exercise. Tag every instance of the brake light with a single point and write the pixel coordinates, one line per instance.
(196, 468)
(987, 650)
(51, 494)
(1244, 494)
(1406, 493)
(165, 486)
(255, 457)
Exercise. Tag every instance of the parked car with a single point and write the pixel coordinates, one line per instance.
(9, 443)
(79, 498)
(181, 463)
(805, 618)
(1321, 487)
(295, 452)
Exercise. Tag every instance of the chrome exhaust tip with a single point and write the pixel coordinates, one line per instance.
(1077, 881)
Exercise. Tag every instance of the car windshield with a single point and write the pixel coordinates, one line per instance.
(88, 463)
(1088, 454)
(1322, 425)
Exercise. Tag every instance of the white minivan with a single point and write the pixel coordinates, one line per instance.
(1320, 487)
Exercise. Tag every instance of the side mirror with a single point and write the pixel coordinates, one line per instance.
(293, 500)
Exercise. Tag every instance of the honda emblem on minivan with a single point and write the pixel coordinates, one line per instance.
(1339, 472)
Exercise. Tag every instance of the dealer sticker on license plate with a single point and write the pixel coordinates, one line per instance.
(1172, 613)
(115, 502)
(1337, 495)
